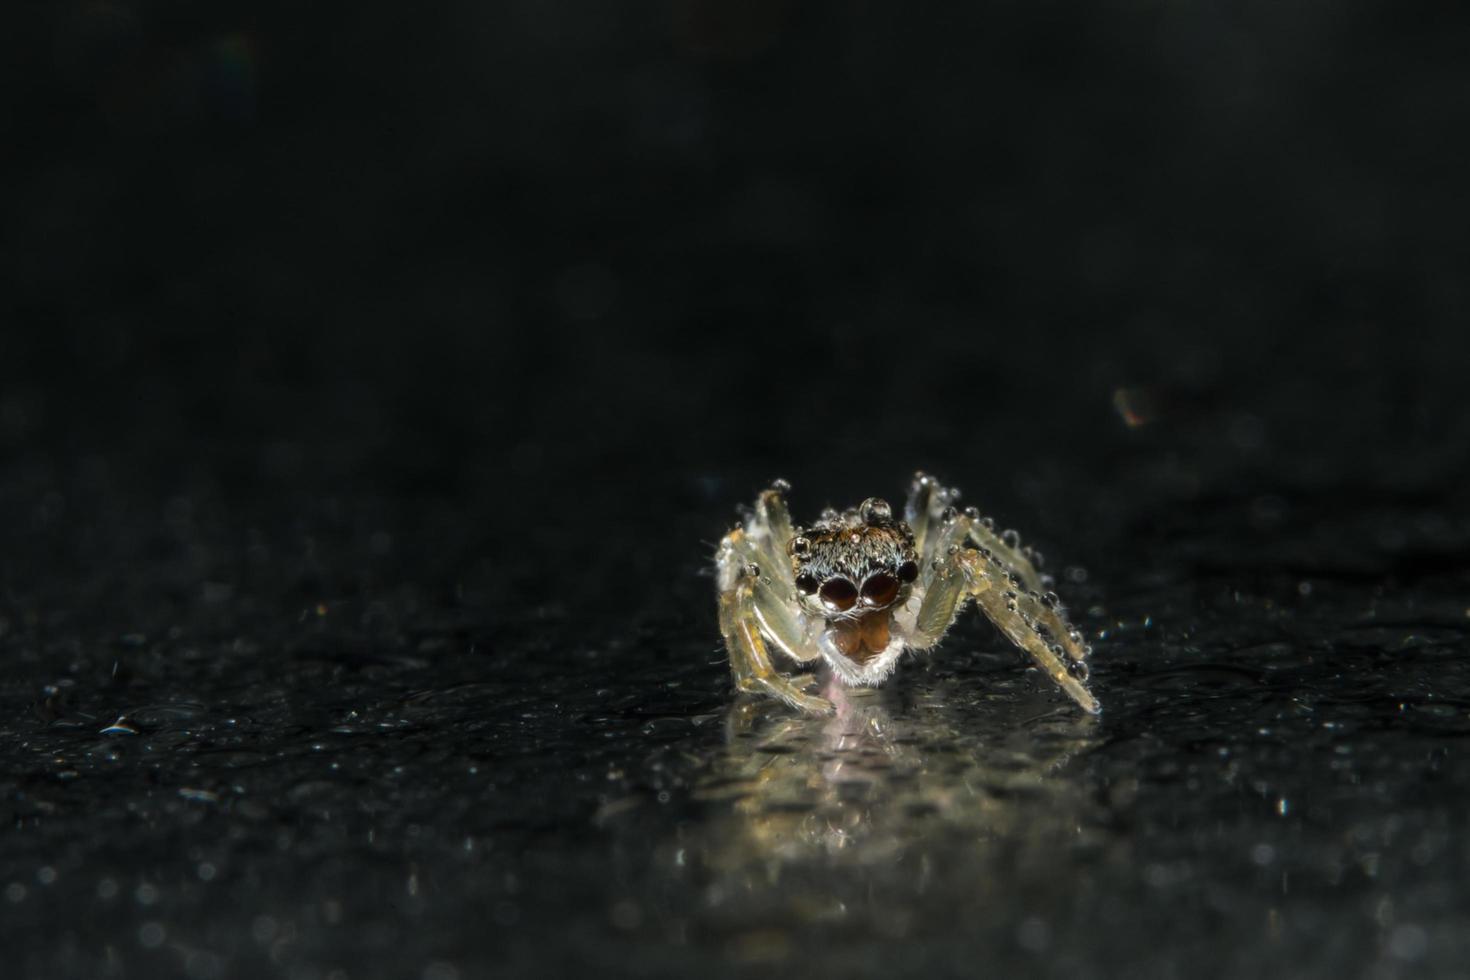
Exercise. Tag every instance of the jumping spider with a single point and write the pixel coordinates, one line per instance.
(859, 587)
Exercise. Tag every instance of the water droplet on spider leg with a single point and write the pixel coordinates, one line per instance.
(1051, 600)
(753, 570)
(780, 486)
(1011, 538)
(1075, 636)
(948, 515)
(1014, 579)
(799, 547)
(829, 514)
(1037, 559)
(988, 523)
(875, 510)
(973, 513)
(1079, 670)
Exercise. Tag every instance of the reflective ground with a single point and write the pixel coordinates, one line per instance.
(219, 763)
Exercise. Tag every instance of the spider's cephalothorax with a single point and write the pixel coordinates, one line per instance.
(854, 570)
(859, 587)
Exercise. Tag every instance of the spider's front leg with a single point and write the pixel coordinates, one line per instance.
(957, 573)
(751, 609)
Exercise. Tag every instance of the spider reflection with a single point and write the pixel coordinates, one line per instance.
(889, 776)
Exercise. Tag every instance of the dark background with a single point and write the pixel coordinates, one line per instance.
(375, 382)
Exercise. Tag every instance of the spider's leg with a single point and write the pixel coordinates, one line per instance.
(1005, 546)
(750, 661)
(1007, 562)
(752, 608)
(999, 600)
(770, 594)
(770, 532)
(946, 587)
(965, 573)
(926, 502)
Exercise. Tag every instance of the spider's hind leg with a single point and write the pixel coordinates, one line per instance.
(959, 573)
(1008, 562)
(1015, 613)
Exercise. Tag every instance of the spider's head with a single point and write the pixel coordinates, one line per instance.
(853, 568)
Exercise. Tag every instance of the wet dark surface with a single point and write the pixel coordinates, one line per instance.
(234, 750)
(374, 393)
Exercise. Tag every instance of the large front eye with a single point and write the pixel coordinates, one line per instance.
(839, 594)
(880, 589)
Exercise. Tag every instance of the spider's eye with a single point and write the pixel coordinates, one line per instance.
(839, 594)
(880, 589)
(908, 571)
(807, 583)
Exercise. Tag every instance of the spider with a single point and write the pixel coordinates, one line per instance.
(859, 587)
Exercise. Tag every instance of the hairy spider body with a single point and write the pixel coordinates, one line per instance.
(859, 587)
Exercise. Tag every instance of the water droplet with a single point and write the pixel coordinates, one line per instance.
(752, 569)
(1011, 538)
(875, 510)
(1051, 600)
(948, 515)
(1408, 942)
(780, 486)
(120, 727)
(151, 935)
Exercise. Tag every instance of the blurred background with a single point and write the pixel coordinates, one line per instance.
(497, 310)
(490, 241)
